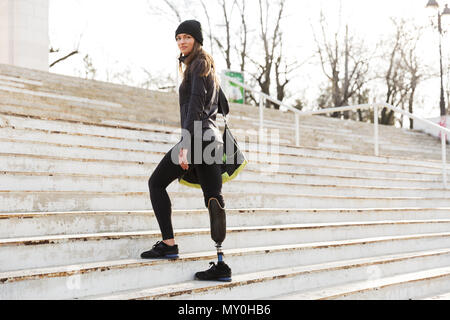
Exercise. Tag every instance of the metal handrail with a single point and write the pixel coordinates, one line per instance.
(264, 97)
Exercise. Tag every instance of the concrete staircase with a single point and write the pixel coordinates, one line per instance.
(327, 220)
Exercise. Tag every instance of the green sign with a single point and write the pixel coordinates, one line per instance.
(234, 92)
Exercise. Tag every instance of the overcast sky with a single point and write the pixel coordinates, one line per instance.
(121, 34)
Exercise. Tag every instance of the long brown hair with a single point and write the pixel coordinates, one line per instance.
(207, 61)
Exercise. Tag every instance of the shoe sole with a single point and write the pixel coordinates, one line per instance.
(168, 256)
(226, 279)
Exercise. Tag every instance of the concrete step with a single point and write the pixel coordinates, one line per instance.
(361, 144)
(60, 105)
(306, 131)
(126, 95)
(126, 131)
(340, 127)
(357, 142)
(82, 87)
(339, 123)
(57, 165)
(337, 133)
(16, 81)
(76, 214)
(268, 161)
(74, 163)
(40, 167)
(260, 285)
(16, 225)
(112, 92)
(104, 90)
(40, 94)
(142, 134)
(442, 296)
(10, 107)
(321, 139)
(94, 146)
(107, 277)
(46, 251)
(48, 201)
(353, 136)
(12, 84)
(43, 181)
(412, 285)
(251, 114)
(314, 141)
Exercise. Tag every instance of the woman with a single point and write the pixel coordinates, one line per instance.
(198, 97)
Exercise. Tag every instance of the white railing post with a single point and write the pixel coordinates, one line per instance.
(297, 130)
(375, 123)
(444, 158)
(261, 114)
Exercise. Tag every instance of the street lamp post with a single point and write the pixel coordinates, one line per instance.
(432, 4)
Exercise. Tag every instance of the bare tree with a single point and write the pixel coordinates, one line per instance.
(243, 32)
(284, 70)
(220, 36)
(362, 97)
(52, 50)
(170, 9)
(180, 8)
(393, 74)
(412, 67)
(209, 33)
(270, 41)
(405, 70)
(158, 81)
(89, 69)
(345, 63)
(224, 45)
(281, 77)
(73, 52)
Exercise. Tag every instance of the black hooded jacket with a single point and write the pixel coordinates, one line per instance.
(199, 101)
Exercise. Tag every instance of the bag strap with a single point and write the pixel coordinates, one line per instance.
(223, 106)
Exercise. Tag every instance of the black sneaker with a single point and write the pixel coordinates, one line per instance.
(161, 251)
(219, 272)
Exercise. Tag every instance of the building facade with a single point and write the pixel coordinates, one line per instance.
(24, 33)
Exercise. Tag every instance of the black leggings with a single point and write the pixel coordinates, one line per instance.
(166, 172)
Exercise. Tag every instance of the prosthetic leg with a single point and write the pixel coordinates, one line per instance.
(221, 271)
(218, 224)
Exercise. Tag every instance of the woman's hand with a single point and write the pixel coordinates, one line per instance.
(182, 159)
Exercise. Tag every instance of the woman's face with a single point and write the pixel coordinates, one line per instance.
(185, 43)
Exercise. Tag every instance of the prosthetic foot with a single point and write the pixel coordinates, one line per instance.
(221, 271)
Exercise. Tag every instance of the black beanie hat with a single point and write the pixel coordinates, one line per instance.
(192, 27)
